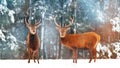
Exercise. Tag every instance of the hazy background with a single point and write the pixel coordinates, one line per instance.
(100, 16)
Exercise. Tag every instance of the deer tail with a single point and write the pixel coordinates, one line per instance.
(97, 40)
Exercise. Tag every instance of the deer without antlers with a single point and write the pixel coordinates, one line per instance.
(33, 41)
(87, 40)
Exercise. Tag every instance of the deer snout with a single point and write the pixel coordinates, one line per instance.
(32, 31)
(62, 35)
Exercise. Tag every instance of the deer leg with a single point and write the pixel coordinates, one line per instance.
(37, 56)
(91, 55)
(29, 55)
(94, 55)
(76, 54)
(73, 56)
(34, 56)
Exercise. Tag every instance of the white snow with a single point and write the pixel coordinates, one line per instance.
(78, 24)
(2, 36)
(100, 15)
(13, 43)
(106, 4)
(43, 14)
(117, 48)
(116, 24)
(4, 10)
(98, 47)
(82, 63)
(11, 14)
(104, 49)
(4, 2)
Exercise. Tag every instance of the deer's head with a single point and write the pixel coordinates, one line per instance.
(32, 27)
(63, 30)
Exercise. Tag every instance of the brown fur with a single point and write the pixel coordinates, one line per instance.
(74, 41)
(33, 44)
(86, 40)
(33, 41)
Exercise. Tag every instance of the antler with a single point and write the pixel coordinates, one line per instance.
(70, 22)
(27, 23)
(26, 18)
(38, 24)
(56, 21)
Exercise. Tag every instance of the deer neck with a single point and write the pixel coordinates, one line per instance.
(65, 38)
(32, 36)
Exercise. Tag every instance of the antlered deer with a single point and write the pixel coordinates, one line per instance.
(33, 41)
(87, 40)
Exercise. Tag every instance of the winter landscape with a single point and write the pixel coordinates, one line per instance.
(100, 16)
(108, 63)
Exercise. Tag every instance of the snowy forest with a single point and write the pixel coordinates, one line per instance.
(100, 16)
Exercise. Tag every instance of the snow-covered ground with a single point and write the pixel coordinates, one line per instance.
(82, 63)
